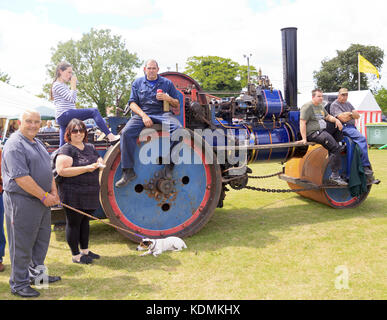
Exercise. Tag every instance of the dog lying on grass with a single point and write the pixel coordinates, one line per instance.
(158, 246)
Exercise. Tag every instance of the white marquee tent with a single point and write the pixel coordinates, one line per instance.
(14, 100)
(363, 101)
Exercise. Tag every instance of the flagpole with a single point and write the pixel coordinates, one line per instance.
(358, 67)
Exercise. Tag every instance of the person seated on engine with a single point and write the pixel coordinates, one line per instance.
(146, 102)
(346, 113)
(313, 125)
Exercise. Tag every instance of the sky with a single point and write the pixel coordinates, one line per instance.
(171, 31)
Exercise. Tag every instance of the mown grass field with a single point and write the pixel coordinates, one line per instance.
(259, 246)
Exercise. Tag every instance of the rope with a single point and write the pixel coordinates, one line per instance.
(109, 224)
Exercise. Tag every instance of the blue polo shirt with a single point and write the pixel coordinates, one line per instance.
(144, 94)
(22, 157)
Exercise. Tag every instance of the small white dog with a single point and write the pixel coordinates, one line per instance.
(158, 246)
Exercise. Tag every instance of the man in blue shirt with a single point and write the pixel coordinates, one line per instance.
(346, 113)
(146, 102)
(48, 127)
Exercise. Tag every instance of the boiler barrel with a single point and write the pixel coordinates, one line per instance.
(265, 133)
(272, 133)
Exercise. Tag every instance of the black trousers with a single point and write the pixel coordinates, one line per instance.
(329, 138)
(77, 230)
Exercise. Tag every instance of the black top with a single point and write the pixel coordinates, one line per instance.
(82, 191)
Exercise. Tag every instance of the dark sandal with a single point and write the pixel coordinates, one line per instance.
(93, 255)
(84, 260)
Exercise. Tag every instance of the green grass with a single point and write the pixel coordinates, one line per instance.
(259, 246)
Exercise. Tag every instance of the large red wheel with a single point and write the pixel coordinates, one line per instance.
(154, 206)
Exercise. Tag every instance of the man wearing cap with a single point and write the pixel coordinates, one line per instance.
(146, 102)
(313, 117)
(346, 113)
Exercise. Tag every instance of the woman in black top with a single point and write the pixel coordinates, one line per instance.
(78, 162)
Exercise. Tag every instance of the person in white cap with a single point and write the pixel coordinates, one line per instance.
(346, 113)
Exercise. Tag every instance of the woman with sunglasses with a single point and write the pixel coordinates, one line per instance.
(64, 100)
(78, 162)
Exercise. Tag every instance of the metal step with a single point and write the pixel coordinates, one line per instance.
(308, 184)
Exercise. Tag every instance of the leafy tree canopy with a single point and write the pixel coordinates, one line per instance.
(103, 66)
(381, 99)
(342, 70)
(218, 74)
(4, 77)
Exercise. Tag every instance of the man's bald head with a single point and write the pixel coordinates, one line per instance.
(151, 61)
(151, 69)
(29, 121)
(28, 113)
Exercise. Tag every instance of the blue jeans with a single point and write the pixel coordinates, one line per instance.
(2, 236)
(360, 140)
(81, 114)
(132, 130)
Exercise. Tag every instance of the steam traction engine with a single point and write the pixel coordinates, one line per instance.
(220, 139)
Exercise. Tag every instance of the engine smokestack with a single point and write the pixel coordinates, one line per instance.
(289, 52)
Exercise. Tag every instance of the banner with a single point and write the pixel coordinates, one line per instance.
(367, 67)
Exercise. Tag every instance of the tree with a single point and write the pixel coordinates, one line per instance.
(4, 77)
(342, 70)
(381, 99)
(103, 66)
(218, 74)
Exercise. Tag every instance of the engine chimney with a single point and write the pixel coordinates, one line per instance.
(289, 52)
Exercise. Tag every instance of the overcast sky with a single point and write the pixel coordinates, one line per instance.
(173, 30)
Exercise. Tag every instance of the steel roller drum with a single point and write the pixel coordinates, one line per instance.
(314, 167)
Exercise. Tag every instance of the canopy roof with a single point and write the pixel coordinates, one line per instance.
(13, 101)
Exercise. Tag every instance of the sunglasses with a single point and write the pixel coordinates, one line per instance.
(78, 131)
(343, 94)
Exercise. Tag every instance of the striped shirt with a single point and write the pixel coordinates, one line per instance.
(64, 98)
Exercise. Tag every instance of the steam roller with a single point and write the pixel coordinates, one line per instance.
(313, 169)
(218, 141)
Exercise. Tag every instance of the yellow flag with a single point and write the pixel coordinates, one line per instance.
(367, 67)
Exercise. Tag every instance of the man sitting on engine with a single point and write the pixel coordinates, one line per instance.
(313, 117)
(146, 102)
(346, 113)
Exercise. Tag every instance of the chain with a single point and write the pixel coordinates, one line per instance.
(280, 190)
(275, 190)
